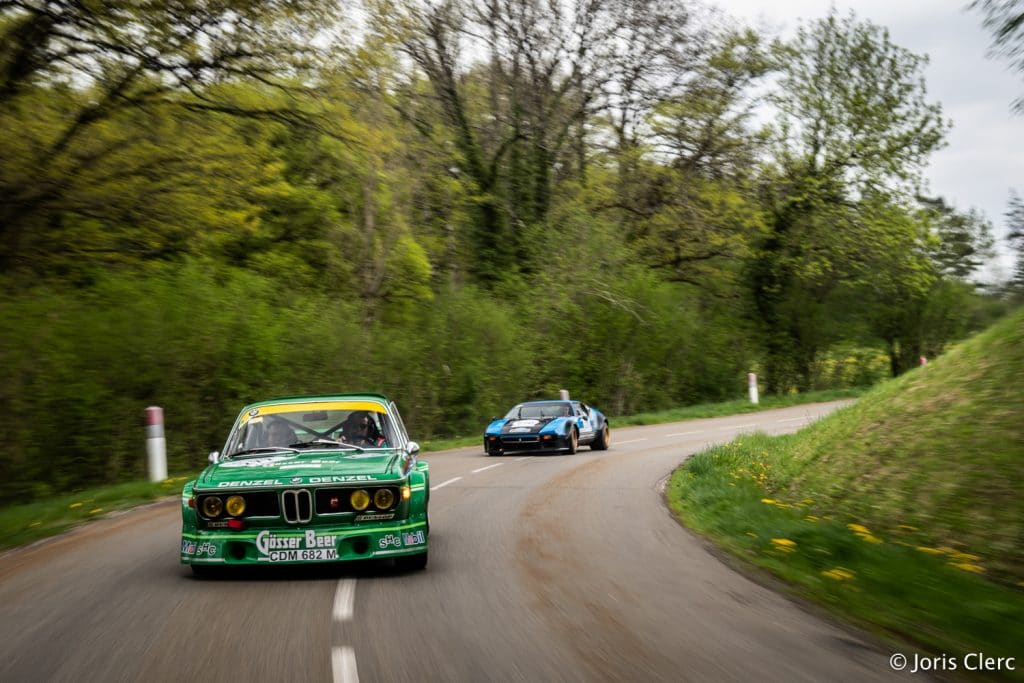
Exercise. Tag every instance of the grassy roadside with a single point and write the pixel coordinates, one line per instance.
(23, 524)
(679, 414)
(901, 513)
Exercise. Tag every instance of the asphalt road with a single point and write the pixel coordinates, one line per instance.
(542, 568)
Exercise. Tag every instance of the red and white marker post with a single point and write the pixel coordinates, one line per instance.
(156, 445)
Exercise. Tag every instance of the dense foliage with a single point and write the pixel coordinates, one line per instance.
(461, 204)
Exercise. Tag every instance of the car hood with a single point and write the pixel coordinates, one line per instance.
(526, 425)
(295, 469)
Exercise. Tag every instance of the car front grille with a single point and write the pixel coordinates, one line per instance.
(296, 506)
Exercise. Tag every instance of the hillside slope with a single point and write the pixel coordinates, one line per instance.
(941, 450)
(902, 512)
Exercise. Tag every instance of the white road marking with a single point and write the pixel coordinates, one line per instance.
(751, 424)
(343, 663)
(481, 469)
(445, 483)
(697, 431)
(525, 457)
(344, 599)
(792, 419)
(631, 441)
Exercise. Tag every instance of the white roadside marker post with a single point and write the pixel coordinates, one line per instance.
(752, 387)
(156, 446)
(563, 394)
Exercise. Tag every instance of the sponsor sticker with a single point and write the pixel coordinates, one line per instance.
(414, 538)
(188, 547)
(310, 546)
(340, 479)
(389, 540)
(208, 549)
(372, 516)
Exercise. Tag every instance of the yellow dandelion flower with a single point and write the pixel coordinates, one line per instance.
(811, 518)
(95, 511)
(34, 524)
(969, 567)
(930, 551)
(839, 574)
(947, 550)
(807, 501)
(965, 557)
(769, 501)
(751, 534)
(784, 544)
(869, 538)
(907, 527)
(858, 528)
(75, 505)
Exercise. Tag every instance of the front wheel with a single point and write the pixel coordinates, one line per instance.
(411, 562)
(574, 442)
(204, 571)
(603, 440)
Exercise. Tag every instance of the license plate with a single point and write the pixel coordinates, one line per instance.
(315, 555)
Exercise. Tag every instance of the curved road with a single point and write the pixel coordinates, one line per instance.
(542, 568)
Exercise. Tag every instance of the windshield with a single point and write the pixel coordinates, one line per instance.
(539, 410)
(324, 424)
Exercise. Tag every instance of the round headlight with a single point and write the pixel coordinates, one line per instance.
(235, 506)
(360, 500)
(383, 499)
(212, 506)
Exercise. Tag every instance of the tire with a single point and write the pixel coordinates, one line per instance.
(411, 563)
(603, 440)
(574, 442)
(203, 571)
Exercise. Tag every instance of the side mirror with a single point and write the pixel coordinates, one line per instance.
(412, 448)
(495, 418)
(214, 456)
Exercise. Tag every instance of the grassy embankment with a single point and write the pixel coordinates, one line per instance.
(902, 512)
(22, 524)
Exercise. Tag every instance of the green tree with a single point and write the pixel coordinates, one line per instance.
(88, 91)
(853, 124)
(1005, 19)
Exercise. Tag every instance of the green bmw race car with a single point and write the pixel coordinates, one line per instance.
(310, 479)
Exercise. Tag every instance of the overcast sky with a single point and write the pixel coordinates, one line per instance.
(983, 159)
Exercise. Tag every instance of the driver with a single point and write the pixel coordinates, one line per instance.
(280, 434)
(360, 430)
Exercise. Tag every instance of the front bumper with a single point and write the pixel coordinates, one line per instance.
(302, 545)
(512, 443)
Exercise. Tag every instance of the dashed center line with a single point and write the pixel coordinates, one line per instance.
(751, 424)
(631, 441)
(344, 599)
(481, 469)
(792, 419)
(445, 483)
(696, 431)
(343, 664)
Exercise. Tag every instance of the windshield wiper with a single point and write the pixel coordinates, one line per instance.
(263, 449)
(320, 443)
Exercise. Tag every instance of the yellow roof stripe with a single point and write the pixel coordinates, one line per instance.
(317, 405)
